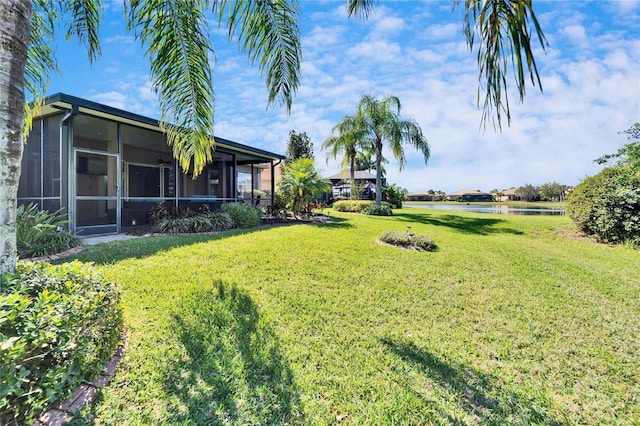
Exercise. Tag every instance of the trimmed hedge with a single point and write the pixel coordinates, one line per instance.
(383, 210)
(58, 325)
(352, 206)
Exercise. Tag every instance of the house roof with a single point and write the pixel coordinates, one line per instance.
(64, 102)
(510, 191)
(470, 192)
(359, 175)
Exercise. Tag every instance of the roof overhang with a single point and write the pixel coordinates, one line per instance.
(61, 102)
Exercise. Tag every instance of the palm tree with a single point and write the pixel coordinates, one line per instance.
(301, 183)
(379, 121)
(347, 142)
(175, 35)
(504, 33)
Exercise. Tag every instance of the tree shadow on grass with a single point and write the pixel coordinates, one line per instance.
(479, 395)
(231, 370)
(141, 247)
(463, 224)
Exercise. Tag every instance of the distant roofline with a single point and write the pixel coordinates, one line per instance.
(63, 101)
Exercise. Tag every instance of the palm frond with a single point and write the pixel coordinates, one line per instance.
(504, 29)
(85, 23)
(360, 8)
(175, 35)
(268, 33)
(41, 60)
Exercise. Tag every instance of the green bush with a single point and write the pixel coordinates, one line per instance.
(38, 232)
(419, 242)
(352, 206)
(220, 221)
(607, 205)
(243, 215)
(395, 195)
(58, 325)
(373, 210)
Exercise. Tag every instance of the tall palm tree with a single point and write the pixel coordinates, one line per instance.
(348, 143)
(379, 121)
(504, 29)
(175, 35)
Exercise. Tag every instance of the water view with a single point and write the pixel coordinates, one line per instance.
(495, 209)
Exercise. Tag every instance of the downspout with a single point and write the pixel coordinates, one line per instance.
(69, 149)
(273, 181)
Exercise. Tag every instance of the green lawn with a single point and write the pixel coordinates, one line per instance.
(510, 321)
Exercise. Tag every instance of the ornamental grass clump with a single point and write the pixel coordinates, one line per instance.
(408, 240)
(58, 325)
(39, 232)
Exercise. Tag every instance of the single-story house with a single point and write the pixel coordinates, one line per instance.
(470, 195)
(510, 194)
(341, 182)
(108, 167)
(419, 196)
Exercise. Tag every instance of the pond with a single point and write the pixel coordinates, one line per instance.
(495, 209)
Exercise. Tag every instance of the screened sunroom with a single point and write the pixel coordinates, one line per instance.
(108, 168)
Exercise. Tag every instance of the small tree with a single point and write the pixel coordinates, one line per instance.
(301, 183)
(528, 192)
(299, 146)
(552, 191)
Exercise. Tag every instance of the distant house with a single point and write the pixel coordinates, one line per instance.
(510, 194)
(342, 186)
(108, 167)
(419, 196)
(470, 195)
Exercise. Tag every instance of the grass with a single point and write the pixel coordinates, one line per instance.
(510, 321)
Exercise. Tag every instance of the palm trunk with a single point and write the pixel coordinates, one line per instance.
(352, 177)
(378, 173)
(15, 28)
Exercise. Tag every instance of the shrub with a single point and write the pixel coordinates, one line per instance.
(220, 221)
(352, 206)
(418, 242)
(279, 206)
(56, 242)
(171, 225)
(58, 325)
(243, 215)
(395, 195)
(38, 232)
(607, 205)
(374, 210)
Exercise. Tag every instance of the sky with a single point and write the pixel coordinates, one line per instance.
(414, 50)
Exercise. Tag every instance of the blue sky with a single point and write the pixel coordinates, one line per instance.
(414, 50)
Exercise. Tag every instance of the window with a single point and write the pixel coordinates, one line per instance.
(144, 181)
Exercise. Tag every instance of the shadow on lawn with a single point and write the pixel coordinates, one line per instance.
(467, 225)
(481, 396)
(139, 248)
(232, 370)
